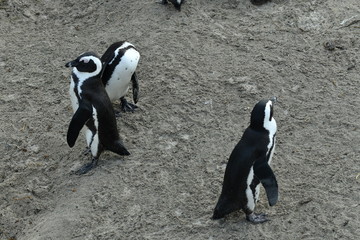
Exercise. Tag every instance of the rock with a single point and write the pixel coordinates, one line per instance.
(34, 149)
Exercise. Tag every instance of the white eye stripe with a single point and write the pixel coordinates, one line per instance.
(86, 59)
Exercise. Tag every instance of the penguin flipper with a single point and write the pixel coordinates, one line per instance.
(267, 178)
(135, 88)
(82, 114)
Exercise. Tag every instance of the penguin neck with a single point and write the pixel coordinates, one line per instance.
(270, 126)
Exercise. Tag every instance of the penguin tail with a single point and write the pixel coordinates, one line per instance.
(119, 148)
(217, 215)
(224, 206)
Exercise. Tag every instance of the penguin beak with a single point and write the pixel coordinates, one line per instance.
(71, 64)
(273, 99)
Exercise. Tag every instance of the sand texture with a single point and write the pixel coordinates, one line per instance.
(201, 72)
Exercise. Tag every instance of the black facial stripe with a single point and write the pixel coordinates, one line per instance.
(86, 67)
(271, 148)
(76, 81)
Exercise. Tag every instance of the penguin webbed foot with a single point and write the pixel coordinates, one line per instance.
(87, 167)
(126, 106)
(257, 218)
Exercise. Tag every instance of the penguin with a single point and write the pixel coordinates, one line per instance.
(119, 64)
(249, 165)
(92, 108)
(176, 3)
(259, 2)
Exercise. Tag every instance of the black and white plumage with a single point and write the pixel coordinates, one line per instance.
(249, 165)
(176, 3)
(119, 65)
(92, 108)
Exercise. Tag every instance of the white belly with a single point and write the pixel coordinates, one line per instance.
(118, 84)
(249, 194)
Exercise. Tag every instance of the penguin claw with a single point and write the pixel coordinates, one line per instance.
(117, 113)
(87, 167)
(126, 106)
(129, 107)
(257, 218)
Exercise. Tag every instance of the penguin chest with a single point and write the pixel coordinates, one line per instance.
(73, 98)
(118, 84)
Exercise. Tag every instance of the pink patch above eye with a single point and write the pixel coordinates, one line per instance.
(85, 60)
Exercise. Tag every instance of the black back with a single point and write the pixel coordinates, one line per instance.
(251, 147)
(93, 91)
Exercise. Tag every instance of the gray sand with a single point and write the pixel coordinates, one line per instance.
(201, 72)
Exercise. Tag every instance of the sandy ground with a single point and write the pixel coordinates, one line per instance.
(201, 72)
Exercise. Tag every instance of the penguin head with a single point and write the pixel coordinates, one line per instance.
(88, 63)
(262, 115)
